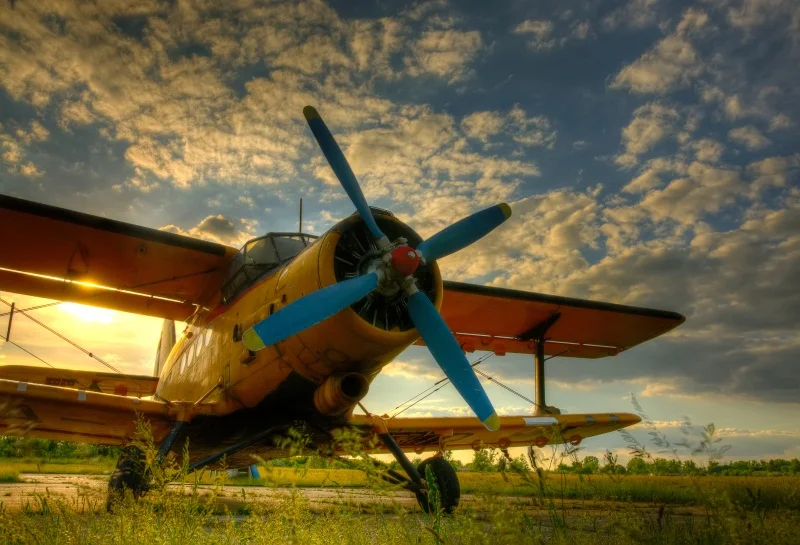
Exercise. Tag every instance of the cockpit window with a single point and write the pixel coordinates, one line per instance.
(289, 247)
(260, 256)
(261, 253)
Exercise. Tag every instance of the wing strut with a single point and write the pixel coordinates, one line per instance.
(537, 334)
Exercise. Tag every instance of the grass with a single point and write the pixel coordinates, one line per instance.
(167, 517)
(98, 466)
(9, 476)
(779, 492)
(733, 509)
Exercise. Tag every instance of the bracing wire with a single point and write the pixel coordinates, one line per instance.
(42, 360)
(430, 391)
(59, 335)
(443, 382)
(37, 307)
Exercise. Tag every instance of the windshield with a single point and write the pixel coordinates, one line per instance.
(259, 256)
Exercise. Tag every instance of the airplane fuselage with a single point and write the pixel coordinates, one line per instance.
(283, 383)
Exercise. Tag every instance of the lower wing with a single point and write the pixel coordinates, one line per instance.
(67, 414)
(431, 434)
(108, 383)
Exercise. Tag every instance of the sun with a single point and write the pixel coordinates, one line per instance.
(89, 314)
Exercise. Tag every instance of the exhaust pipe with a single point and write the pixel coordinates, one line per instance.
(340, 392)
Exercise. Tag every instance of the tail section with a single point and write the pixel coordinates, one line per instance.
(165, 345)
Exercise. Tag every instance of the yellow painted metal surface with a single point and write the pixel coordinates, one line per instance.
(459, 433)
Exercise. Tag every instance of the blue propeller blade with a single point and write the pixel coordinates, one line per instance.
(463, 233)
(308, 311)
(451, 359)
(340, 167)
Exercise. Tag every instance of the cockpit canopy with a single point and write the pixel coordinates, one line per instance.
(258, 257)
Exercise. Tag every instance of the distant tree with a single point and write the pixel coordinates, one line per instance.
(519, 464)
(637, 466)
(483, 460)
(590, 465)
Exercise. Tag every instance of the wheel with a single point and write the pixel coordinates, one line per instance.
(128, 475)
(446, 480)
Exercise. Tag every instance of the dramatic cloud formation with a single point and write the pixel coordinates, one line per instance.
(648, 151)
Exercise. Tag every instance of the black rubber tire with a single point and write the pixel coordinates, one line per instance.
(447, 481)
(128, 475)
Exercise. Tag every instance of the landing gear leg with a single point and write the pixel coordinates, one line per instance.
(444, 476)
(128, 475)
(131, 471)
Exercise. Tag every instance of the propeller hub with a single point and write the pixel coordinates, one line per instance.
(405, 260)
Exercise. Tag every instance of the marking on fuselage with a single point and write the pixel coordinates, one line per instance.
(22, 387)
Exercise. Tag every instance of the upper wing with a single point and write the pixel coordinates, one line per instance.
(421, 434)
(109, 383)
(70, 256)
(504, 320)
(66, 414)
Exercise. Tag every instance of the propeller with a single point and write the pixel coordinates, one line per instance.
(395, 267)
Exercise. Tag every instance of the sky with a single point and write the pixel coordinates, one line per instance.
(648, 149)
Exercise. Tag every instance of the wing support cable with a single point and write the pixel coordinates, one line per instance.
(443, 382)
(59, 335)
(430, 391)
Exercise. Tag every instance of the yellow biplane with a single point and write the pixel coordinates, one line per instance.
(290, 330)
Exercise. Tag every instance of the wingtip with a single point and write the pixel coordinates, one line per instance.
(310, 113)
(492, 422)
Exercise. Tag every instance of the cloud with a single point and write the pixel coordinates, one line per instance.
(528, 131)
(673, 63)
(220, 228)
(649, 176)
(780, 122)
(773, 171)
(539, 34)
(635, 14)
(748, 14)
(16, 144)
(704, 190)
(483, 125)
(650, 124)
(445, 54)
(708, 150)
(412, 370)
(749, 137)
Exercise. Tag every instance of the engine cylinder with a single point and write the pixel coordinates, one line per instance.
(340, 392)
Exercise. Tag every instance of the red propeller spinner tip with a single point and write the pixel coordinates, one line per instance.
(405, 260)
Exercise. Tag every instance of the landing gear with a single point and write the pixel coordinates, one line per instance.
(131, 471)
(444, 476)
(446, 480)
(129, 475)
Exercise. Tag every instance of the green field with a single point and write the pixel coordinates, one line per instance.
(551, 507)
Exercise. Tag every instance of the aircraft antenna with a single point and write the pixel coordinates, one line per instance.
(300, 228)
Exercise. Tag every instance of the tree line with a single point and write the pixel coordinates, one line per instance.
(485, 460)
